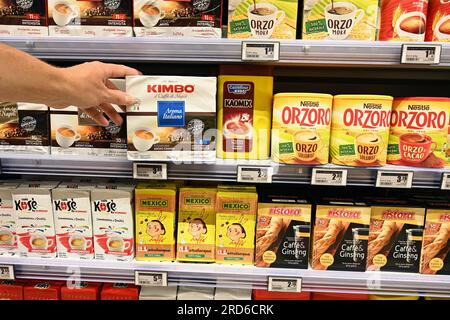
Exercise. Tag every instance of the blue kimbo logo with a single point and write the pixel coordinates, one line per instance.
(170, 113)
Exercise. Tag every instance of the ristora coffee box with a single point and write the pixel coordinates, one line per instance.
(23, 18)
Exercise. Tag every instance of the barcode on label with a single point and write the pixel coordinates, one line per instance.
(421, 54)
(154, 279)
(285, 284)
(445, 181)
(394, 179)
(254, 174)
(329, 177)
(150, 171)
(260, 51)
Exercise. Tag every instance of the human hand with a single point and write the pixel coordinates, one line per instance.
(89, 89)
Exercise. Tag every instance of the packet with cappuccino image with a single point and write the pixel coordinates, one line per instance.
(8, 218)
(23, 18)
(24, 128)
(35, 225)
(90, 18)
(75, 133)
(174, 118)
(419, 132)
(340, 19)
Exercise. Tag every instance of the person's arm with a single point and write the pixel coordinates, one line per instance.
(25, 78)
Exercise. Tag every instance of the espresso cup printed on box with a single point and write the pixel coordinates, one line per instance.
(415, 147)
(39, 241)
(117, 244)
(307, 145)
(66, 136)
(442, 29)
(263, 19)
(150, 13)
(64, 13)
(6, 237)
(341, 18)
(410, 25)
(368, 147)
(144, 139)
(78, 242)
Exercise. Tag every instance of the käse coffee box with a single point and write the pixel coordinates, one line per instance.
(419, 132)
(73, 220)
(236, 208)
(340, 236)
(8, 237)
(283, 232)
(35, 224)
(23, 18)
(155, 206)
(90, 18)
(174, 118)
(196, 225)
(395, 237)
(113, 224)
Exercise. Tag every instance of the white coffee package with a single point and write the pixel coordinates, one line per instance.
(113, 224)
(195, 293)
(233, 294)
(8, 237)
(158, 293)
(35, 225)
(174, 118)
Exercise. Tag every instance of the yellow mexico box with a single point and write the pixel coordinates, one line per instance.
(236, 208)
(155, 205)
(196, 225)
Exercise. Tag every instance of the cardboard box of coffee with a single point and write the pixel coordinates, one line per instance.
(283, 232)
(119, 291)
(11, 289)
(90, 18)
(73, 221)
(178, 18)
(24, 128)
(23, 18)
(113, 225)
(341, 231)
(175, 118)
(155, 205)
(35, 225)
(158, 293)
(8, 219)
(82, 291)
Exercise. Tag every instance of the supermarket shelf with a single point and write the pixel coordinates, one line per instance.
(221, 170)
(298, 52)
(231, 276)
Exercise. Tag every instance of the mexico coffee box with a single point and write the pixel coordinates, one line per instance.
(90, 18)
(395, 238)
(35, 226)
(236, 208)
(196, 225)
(8, 218)
(174, 119)
(360, 130)
(23, 18)
(283, 232)
(403, 20)
(73, 221)
(340, 236)
(419, 132)
(155, 205)
(262, 19)
(75, 133)
(24, 127)
(340, 20)
(436, 244)
(113, 225)
(178, 18)
(438, 21)
(301, 128)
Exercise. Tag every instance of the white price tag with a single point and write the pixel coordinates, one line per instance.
(260, 51)
(254, 174)
(329, 177)
(421, 53)
(150, 171)
(394, 179)
(285, 284)
(445, 181)
(150, 279)
(6, 272)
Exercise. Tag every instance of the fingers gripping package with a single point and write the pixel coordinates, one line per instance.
(174, 118)
(23, 18)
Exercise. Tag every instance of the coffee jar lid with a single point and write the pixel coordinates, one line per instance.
(304, 95)
(423, 99)
(363, 96)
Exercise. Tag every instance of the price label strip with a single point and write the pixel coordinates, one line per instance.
(150, 279)
(260, 51)
(421, 54)
(150, 171)
(445, 181)
(6, 272)
(254, 174)
(285, 284)
(391, 179)
(329, 177)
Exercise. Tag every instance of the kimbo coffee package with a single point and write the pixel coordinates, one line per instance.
(23, 18)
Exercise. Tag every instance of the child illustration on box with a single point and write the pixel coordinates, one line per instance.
(198, 230)
(156, 230)
(236, 233)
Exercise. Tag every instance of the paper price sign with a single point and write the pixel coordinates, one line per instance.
(285, 284)
(150, 171)
(329, 177)
(391, 179)
(150, 279)
(254, 174)
(6, 272)
(445, 181)
(421, 54)
(260, 51)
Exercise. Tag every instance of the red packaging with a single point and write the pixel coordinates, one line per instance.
(84, 291)
(438, 21)
(403, 20)
(338, 296)
(120, 291)
(11, 290)
(269, 295)
(42, 290)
